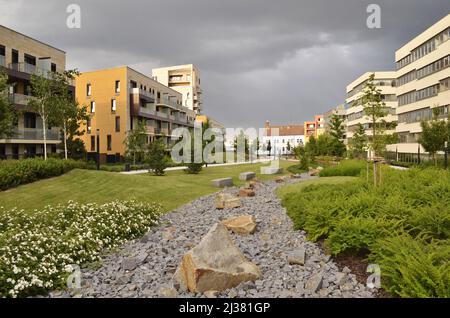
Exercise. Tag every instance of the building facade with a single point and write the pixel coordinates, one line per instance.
(385, 82)
(423, 83)
(21, 57)
(283, 138)
(117, 100)
(184, 79)
(314, 128)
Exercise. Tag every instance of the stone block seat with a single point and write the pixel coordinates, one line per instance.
(221, 183)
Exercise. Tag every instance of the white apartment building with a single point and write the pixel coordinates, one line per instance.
(385, 81)
(423, 82)
(282, 138)
(185, 79)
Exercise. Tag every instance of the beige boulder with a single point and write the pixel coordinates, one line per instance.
(244, 193)
(227, 201)
(245, 224)
(215, 264)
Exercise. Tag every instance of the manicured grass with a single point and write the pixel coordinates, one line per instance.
(85, 186)
(294, 188)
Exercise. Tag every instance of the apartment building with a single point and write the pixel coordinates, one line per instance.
(118, 99)
(20, 57)
(283, 137)
(314, 128)
(385, 82)
(423, 83)
(185, 79)
(212, 122)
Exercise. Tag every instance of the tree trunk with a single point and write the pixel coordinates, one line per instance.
(65, 142)
(374, 173)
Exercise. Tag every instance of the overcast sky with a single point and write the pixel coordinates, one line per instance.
(282, 61)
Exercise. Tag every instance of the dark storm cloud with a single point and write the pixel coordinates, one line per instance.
(279, 60)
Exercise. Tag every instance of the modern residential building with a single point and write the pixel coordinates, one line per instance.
(423, 83)
(339, 110)
(212, 122)
(385, 82)
(314, 128)
(117, 99)
(283, 137)
(20, 57)
(185, 79)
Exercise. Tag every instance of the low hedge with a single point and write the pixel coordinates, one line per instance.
(18, 172)
(349, 168)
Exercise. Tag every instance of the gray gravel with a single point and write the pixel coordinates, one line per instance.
(144, 268)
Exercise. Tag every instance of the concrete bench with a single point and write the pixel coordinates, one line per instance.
(220, 183)
(270, 170)
(246, 176)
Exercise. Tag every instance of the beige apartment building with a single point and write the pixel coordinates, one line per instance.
(384, 81)
(20, 57)
(117, 100)
(423, 83)
(185, 79)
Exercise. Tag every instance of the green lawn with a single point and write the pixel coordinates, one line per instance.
(85, 186)
(293, 188)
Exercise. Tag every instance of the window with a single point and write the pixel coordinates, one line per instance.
(408, 77)
(2, 50)
(92, 143)
(445, 84)
(92, 107)
(53, 67)
(88, 89)
(427, 92)
(407, 98)
(434, 67)
(113, 105)
(29, 59)
(15, 56)
(415, 116)
(109, 140)
(89, 126)
(29, 120)
(117, 124)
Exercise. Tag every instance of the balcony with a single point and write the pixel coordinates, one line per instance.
(147, 111)
(168, 102)
(179, 79)
(30, 69)
(35, 134)
(20, 99)
(162, 115)
(146, 94)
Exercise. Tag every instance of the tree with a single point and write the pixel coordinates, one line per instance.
(337, 132)
(66, 113)
(239, 140)
(269, 147)
(156, 157)
(434, 135)
(311, 147)
(375, 109)
(136, 143)
(359, 141)
(7, 113)
(257, 145)
(288, 147)
(75, 145)
(192, 166)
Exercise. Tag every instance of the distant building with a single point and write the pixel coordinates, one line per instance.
(314, 128)
(283, 137)
(184, 79)
(339, 111)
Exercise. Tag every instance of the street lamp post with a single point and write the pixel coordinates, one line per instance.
(98, 149)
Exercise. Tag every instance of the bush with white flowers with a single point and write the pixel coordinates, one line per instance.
(37, 247)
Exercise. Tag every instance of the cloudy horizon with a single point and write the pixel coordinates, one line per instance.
(281, 61)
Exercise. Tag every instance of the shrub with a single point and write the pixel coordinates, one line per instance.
(407, 214)
(156, 157)
(297, 169)
(350, 168)
(15, 173)
(193, 168)
(37, 247)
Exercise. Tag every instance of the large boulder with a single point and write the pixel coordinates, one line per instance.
(215, 264)
(245, 193)
(245, 224)
(227, 201)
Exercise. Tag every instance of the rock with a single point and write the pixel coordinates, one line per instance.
(130, 264)
(279, 180)
(314, 283)
(246, 176)
(340, 279)
(245, 224)
(295, 176)
(167, 292)
(243, 193)
(314, 172)
(211, 294)
(346, 270)
(227, 201)
(215, 264)
(221, 183)
(271, 170)
(297, 257)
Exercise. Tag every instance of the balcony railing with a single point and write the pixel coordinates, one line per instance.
(147, 111)
(34, 70)
(35, 134)
(142, 92)
(162, 115)
(20, 99)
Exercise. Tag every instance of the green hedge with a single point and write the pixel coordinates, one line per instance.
(402, 225)
(16, 172)
(350, 168)
(38, 250)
